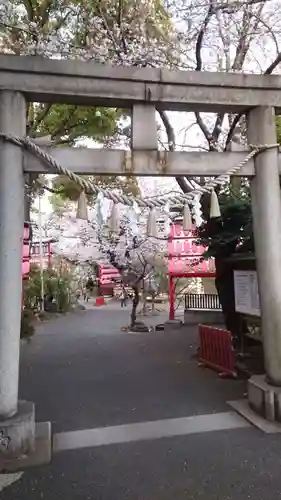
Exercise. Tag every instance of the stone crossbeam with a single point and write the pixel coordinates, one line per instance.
(87, 83)
(141, 163)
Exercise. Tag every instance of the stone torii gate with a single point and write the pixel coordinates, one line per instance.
(143, 91)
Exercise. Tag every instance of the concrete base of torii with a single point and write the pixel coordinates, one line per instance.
(23, 443)
(17, 433)
(263, 406)
(264, 398)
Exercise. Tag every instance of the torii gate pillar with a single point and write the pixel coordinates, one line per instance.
(266, 220)
(17, 424)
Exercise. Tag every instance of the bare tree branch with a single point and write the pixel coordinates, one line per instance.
(270, 30)
(201, 34)
(198, 48)
(33, 125)
(234, 6)
(208, 135)
(273, 65)
(246, 36)
(237, 118)
(171, 144)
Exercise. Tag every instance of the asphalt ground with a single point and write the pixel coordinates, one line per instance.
(82, 372)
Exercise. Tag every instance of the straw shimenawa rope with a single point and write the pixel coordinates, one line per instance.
(177, 198)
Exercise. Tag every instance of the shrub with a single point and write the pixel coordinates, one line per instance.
(57, 284)
(27, 326)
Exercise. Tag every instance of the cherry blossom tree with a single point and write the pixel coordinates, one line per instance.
(128, 249)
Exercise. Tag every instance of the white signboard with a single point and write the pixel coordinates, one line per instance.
(246, 292)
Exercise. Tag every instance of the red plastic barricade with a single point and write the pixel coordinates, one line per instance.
(99, 301)
(216, 350)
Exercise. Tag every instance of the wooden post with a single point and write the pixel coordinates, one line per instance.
(172, 290)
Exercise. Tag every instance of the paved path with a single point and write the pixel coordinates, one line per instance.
(135, 418)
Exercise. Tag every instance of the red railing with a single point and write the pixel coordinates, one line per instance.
(185, 256)
(107, 277)
(216, 350)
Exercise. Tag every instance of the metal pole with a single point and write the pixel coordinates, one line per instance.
(42, 289)
(49, 255)
(266, 221)
(12, 121)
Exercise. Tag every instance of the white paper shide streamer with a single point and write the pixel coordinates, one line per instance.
(196, 210)
(82, 211)
(167, 219)
(187, 219)
(114, 219)
(214, 206)
(151, 229)
(99, 204)
(133, 216)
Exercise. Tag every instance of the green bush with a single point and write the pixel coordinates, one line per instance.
(27, 326)
(56, 283)
(63, 293)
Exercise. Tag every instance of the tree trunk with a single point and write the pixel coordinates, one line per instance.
(224, 280)
(136, 300)
(225, 287)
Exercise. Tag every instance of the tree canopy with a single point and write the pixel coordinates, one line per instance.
(126, 32)
(233, 231)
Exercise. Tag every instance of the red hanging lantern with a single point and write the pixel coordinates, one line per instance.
(26, 251)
